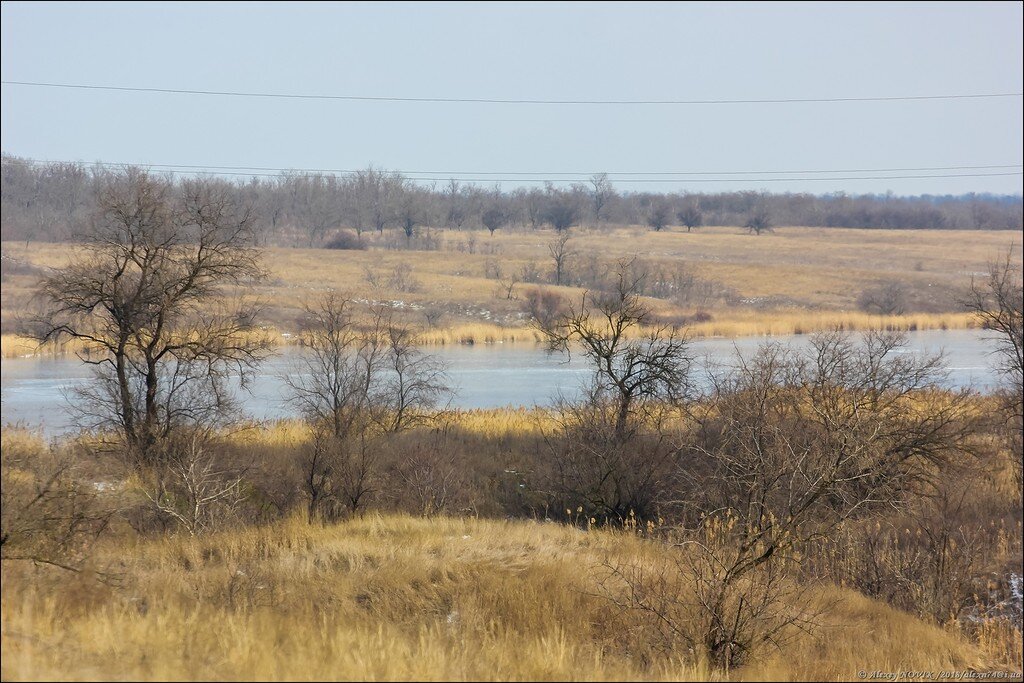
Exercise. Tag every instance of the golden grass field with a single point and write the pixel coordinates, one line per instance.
(795, 280)
(402, 598)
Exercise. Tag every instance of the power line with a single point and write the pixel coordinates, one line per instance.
(482, 100)
(628, 180)
(444, 175)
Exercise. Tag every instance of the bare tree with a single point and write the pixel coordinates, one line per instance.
(48, 515)
(318, 203)
(786, 449)
(148, 297)
(695, 601)
(374, 195)
(336, 371)
(658, 217)
(413, 384)
(759, 220)
(545, 308)
(613, 454)
(691, 216)
(456, 213)
(561, 255)
(998, 304)
(603, 192)
(887, 298)
(506, 288)
(532, 202)
(562, 213)
(356, 383)
(194, 486)
(495, 217)
(636, 373)
(412, 210)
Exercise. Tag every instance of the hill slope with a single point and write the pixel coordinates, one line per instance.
(401, 598)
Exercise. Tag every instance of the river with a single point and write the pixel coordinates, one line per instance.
(34, 391)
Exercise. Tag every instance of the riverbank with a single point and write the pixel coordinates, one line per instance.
(782, 323)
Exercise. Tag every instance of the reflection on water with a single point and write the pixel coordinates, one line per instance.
(484, 376)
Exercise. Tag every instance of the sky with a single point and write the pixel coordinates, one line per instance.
(545, 51)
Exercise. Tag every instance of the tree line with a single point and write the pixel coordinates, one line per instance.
(49, 202)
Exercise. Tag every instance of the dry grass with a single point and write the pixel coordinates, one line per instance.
(398, 598)
(487, 422)
(17, 346)
(795, 280)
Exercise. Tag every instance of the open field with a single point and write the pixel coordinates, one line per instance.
(400, 598)
(795, 280)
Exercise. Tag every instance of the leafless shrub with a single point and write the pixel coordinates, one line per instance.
(357, 385)
(48, 515)
(373, 277)
(428, 477)
(432, 315)
(530, 272)
(347, 240)
(998, 304)
(887, 298)
(403, 280)
(340, 472)
(492, 269)
(607, 472)
(193, 484)
(561, 254)
(724, 619)
(506, 288)
(544, 307)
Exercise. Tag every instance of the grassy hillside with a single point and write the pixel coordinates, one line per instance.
(397, 597)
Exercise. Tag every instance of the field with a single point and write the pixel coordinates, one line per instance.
(471, 287)
(394, 597)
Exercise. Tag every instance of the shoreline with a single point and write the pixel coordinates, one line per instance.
(14, 346)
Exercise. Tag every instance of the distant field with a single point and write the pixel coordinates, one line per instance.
(793, 280)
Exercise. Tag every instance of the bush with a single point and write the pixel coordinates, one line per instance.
(345, 239)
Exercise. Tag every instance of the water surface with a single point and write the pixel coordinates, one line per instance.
(33, 390)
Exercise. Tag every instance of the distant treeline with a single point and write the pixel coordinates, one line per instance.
(49, 202)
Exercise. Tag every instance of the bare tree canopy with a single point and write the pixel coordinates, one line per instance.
(691, 216)
(659, 216)
(495, 217)
(561, 254)
(149, 297)
(635, 371)
(356, 383)
(998, 303)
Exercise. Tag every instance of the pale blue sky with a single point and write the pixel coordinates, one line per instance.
(529, 51)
